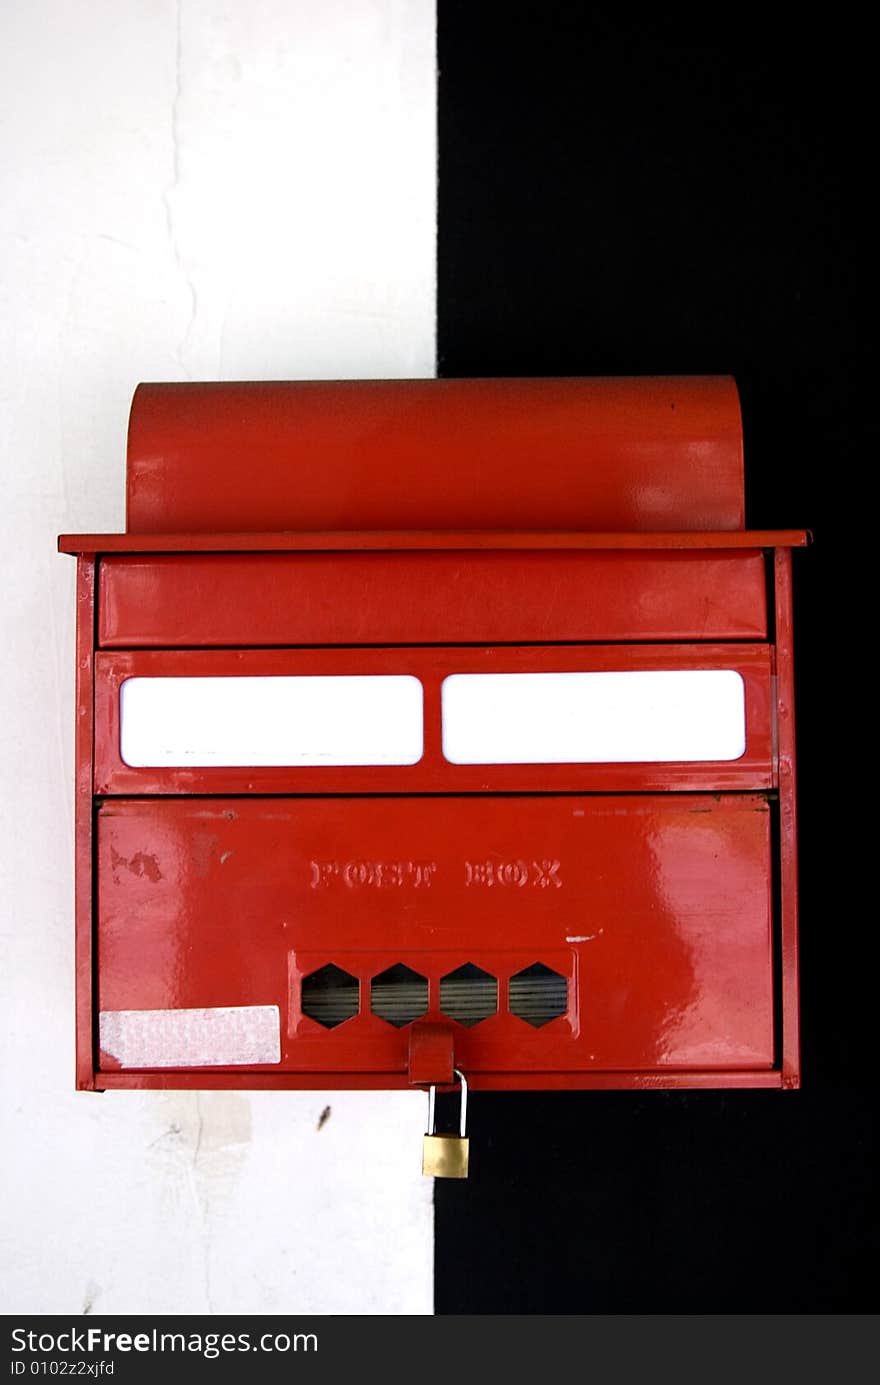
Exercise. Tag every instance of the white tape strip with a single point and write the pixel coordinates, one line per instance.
(231, 1035)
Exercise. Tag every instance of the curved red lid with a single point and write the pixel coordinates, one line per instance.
(645, 453)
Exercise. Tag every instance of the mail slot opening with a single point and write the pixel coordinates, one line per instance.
(615, 717)
(271, 720)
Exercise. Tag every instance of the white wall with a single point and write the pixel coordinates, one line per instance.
(213, 190)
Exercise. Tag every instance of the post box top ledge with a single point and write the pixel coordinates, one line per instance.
(640, 462)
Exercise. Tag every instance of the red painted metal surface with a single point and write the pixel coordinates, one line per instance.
(431, 1053)
(209, 1079)
(83, 811)
(428, 598)
(788, 879)
(650, 453)
(399, 540)
(433, 773)
(656, 909)
(430, 528)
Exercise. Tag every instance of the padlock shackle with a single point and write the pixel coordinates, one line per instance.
(432, 1099)
(462, 1123)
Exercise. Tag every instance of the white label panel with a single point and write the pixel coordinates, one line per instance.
(252, 721)
(593, 718)
(221, 1036)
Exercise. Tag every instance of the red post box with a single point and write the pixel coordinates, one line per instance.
(436, 723)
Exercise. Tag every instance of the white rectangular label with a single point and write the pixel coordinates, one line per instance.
(253, 721)
(221, 1036)
(593, 718)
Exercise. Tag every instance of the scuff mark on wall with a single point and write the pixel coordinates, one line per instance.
(92, 1292)
(198, 1157)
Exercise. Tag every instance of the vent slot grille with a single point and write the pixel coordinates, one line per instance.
(538, 995)
(469, 995)
(330, 996)
(399, 995)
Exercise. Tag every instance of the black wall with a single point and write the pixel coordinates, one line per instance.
(625, 193)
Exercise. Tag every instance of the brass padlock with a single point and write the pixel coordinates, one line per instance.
(446, 1156)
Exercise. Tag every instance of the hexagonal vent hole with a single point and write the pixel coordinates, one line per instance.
(468, 995)
(330, 996)
(399, 995)
(538, 995)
